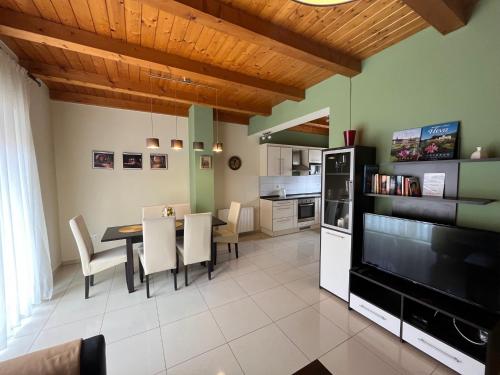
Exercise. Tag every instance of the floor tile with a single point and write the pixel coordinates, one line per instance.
(129, 321)
(290, 275)
(72, 310)
(255, 282)
(16, 347)
(219, 293)
(267, 351)
(311, 332)
(443, 370)
(180, 305)
(278, 302)
(307, 289)
(352, 358)
(120, 298)
(278, 268)
(139, 354)
(266, 260)
(311, 268)
(337, 311)
(59, 335)
(239, 318)
(190, 337)
(403, 357)
(215, 362)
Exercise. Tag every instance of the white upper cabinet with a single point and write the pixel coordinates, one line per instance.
(276, 160)
(315, 156)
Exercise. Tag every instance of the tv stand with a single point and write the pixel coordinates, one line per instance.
(426, 319)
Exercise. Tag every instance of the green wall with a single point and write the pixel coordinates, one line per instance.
(286, 137)
(425, 79)
(201, 181)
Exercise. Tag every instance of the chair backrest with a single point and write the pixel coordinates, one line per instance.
(181, 210)
(159, 244)
(197, 237)
(153, 212)
(233, 217)
(83, 241)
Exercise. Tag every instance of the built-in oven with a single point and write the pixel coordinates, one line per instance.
(305, 209)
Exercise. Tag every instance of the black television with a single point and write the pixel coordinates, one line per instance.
(463, 263)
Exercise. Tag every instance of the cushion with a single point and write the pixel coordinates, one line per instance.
(107, 259)
(225, 235)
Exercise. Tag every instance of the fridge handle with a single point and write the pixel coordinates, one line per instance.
(350, 190)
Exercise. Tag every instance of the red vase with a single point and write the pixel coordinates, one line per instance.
(349, 137)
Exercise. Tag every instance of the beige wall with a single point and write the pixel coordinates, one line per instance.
(41, 127)
(241, 185)
(109, 198)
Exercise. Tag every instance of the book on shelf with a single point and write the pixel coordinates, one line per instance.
(433, 184)
(369, 173)
(394, 185)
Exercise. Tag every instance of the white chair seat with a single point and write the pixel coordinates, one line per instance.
(225, 235)
(107, 259)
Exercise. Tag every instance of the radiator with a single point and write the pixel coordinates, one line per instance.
(246, 218)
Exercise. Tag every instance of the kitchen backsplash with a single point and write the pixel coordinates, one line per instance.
(292, 184)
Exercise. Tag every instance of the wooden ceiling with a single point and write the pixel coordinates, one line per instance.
(240, 56)
(318, 126)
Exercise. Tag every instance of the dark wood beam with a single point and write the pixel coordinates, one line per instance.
(52, 73)
(309, 129)
(224, 18)
(34, 29)
(445, 15)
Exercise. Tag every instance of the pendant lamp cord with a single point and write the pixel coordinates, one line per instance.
(175, 109)
(151, 104)
(350, 104)
(216, 115)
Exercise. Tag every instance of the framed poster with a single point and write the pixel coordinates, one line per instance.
(439, 142)
(405, 145)
(132, 160)
(206, 162)
(103, 160)
(158, 161)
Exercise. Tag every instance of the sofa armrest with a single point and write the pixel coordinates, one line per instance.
(93, 356)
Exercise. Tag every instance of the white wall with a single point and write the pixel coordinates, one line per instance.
(112, 197)
(41, 127)
(241, 185)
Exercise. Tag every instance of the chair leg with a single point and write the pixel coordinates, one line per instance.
(141, 271)
(91, 280)
(176, 262)
(229, 246)
(175, 279)
(87, 285)
(210, 266)
(147, 286)
(236, 249)
(186, 275)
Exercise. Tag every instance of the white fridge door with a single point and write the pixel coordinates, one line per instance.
(335, 262)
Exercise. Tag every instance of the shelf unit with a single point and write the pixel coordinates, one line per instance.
(443, 161)
(475, 201)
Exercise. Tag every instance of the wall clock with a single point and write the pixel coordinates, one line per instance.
(234, 163)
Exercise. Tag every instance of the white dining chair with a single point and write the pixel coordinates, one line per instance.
(196, 246)
(158, 252)
(93, 262)
(229, 233)
(153, 212)
(181, 210)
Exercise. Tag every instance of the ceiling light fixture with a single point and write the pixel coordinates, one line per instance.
(152, 143)
(323, 3)
(176, 143)
(266, 135)
(217, 145)
(197, 145)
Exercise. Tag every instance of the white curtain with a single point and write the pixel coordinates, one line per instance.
(25, 270)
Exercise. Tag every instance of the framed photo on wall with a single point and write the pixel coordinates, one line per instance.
(158, 161)
(132, 160)
(205, 162)
(103, 160)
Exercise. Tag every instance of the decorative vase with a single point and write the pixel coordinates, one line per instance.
(479, 154)
(349, 137)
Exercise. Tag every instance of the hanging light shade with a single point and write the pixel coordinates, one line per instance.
(152, 143)
(217, 147)
(198, 146)
(323, 3)
(176, 144)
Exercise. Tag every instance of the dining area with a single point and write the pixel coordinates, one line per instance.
(168, 236)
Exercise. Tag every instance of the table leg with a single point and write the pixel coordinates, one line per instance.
(129, 268)
(214, 249)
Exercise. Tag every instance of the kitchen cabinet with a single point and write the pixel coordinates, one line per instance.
(335, 262)
(315, 156)
(278, 217)
(275, 160)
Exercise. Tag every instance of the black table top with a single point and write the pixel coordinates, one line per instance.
(113, 233)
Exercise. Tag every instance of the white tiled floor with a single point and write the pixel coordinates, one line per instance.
(261, 314)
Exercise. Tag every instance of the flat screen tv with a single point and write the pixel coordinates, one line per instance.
(463, 263)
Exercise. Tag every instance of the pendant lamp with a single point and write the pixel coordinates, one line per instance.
(217, 145)
(176, 143)
(152, 142)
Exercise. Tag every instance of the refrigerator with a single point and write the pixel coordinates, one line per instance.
(342, 208)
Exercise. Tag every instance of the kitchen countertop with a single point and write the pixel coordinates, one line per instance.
(291, 197)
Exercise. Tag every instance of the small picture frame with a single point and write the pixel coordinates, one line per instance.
(205, 162)
(132, 160)
(103, 160)
(158, 161)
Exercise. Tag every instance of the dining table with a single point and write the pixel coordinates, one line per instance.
(132, 233)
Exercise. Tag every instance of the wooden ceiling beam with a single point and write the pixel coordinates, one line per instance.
(38, 30)
(235, 22)
(309, 129)
(444, 15)
(101, 101)
(79, 78)
(316, 125)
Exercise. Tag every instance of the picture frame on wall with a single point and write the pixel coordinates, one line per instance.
(205, 162)
(103, 159)
(132, 160)
(158, 161)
